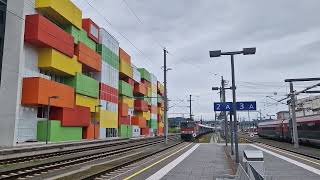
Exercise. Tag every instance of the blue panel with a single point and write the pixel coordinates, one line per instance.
(241, 106)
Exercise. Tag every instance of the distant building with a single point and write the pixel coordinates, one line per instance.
(281, 115)
(308, 106)
(175, 121)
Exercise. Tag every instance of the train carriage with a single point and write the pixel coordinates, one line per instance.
(308, 129)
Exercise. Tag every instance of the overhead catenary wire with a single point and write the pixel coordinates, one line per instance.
(117, 31)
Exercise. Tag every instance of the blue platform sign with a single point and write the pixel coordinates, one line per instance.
(241, 106)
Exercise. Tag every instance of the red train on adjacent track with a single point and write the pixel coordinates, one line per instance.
(308, 130)
(191, 129)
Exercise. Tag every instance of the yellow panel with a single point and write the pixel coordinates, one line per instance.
(154, 88)
(86, 101)
(126, 69)
(146, 115)
(57, 62)
(127, 100)
(160, 124)
(149, 93)
(107, 119)
(160, 111)
(62, 11)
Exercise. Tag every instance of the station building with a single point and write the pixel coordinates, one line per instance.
(65, 78)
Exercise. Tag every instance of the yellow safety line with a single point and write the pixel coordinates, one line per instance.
(148, 167)
(284, 152)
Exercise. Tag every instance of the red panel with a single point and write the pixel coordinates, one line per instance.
(124, 120)
(139, 89)
(145, 83)
(154, 109)
(88, 57)
(91, 28)
(140, 105)
(42, 33)
(77, 116)
(145, 131)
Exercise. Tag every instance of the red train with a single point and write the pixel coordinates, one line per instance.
(308, 129)
(192, 129)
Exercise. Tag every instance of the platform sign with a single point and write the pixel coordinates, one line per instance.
(241, 106)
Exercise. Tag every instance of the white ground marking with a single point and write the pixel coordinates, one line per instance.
(162, 172)
(304, 166)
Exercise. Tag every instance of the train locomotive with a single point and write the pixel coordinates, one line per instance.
(308, 130)
(191, 130)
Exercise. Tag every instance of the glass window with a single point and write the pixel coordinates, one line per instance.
(3, 9)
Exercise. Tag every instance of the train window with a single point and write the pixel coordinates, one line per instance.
(187, 124)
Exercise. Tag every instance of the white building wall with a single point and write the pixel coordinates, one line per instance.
(12, 67)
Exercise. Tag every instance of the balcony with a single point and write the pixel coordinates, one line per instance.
(88, 57)
(75, 117)
(42, 33)
(86, 101)
(84, 85)
(139, 89)
(36, 91)
(54, 61)
(63, 11)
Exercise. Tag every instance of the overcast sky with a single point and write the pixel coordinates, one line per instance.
(286, 34)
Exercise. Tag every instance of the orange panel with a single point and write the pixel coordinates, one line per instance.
(139, 121)
(88, 57)
(124, 56)
(123, 109)
(36, 91)
(91, 132)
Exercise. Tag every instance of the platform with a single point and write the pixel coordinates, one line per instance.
(209, 161)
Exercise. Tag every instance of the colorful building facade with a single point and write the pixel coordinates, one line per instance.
(64, 68)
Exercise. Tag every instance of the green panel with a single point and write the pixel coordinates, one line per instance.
(145, 74)
(108, 56)
(56, 132)
(84, 85)
(153, 124)
(123, 131)
(125, 89)
(129, 131)
(148, 100)
(75, 32)
(83, 37)
(159, 99)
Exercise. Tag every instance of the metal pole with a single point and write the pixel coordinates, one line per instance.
(190, 107)
(165, 95)
(48, 116)
(94, 122)
(231, 134)
(234, 109)
(223, 99)
(294, 120)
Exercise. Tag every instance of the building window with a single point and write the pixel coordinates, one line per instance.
(3, 9)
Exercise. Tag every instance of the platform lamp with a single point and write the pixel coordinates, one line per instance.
(95, 119)
(48, 116)
(218, 53)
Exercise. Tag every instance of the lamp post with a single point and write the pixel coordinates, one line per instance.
(95, 120)
(218, 53)
(48, 116)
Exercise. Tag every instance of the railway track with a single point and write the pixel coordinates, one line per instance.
(260, 141)
(28, 158)
(131, 164)
(46, 167)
